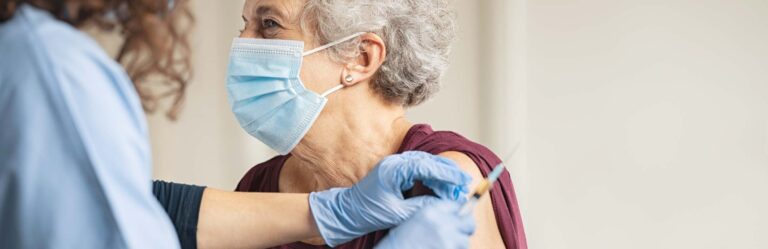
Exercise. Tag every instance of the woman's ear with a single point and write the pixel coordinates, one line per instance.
(364, 67)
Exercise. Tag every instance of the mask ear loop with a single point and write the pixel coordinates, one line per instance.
(337, 87)
(337, 42)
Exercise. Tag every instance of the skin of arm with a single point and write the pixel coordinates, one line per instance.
(487, 233)
(253, 220)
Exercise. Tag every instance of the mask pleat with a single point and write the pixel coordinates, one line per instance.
(246, 87)
(263, 66)
(267, 104)
(301, 111)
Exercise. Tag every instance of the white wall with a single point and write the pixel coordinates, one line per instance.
(460, 93)
(642, 123)
(647, 124)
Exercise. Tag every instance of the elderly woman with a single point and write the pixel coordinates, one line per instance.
(327, 83)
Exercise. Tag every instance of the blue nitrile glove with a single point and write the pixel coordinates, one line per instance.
(438, 226)
(376, 202)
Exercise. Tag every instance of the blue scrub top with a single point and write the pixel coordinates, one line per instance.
(75, 166)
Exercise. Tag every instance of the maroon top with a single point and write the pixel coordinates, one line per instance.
(264, 177)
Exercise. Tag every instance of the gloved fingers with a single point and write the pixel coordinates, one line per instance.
(448, 190)
(466, 224)
(453, 187)
(440, 171)
(414, 204)
(416, 154)
(460, 242)
(450, 211)
(391, 169)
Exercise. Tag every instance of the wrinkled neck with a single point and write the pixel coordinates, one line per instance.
(344, 145)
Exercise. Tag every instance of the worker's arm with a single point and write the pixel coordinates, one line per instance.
(253, 220)
(221, 219)
(210, 218)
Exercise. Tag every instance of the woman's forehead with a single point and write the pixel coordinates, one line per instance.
(287, 9)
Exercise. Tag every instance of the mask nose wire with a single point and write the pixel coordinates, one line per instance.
(337, 42)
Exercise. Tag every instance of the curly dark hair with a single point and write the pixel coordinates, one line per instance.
(155, 50)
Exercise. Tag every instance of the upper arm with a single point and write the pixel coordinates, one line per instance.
(487, 234)
(99, 102)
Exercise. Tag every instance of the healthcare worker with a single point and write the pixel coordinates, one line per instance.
(75, 166)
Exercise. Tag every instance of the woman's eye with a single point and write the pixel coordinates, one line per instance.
(269, 24)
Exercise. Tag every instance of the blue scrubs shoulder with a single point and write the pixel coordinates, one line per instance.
(75, 165)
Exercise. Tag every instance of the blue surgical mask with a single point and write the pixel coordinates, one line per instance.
(266, 94)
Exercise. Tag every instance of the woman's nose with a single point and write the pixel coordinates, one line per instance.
(250, 32)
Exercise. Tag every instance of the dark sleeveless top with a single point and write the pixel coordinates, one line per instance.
(264, 177)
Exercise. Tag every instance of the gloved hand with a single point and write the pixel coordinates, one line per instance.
(438, 226)
(376, 202)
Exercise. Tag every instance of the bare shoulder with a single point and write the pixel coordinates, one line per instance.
(465, 163)
(487, 234)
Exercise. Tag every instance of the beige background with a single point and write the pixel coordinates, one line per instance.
(643, 124)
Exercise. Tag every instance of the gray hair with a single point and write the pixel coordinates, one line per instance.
(416, 33)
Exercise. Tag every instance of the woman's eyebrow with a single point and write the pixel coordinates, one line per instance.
(265, 10)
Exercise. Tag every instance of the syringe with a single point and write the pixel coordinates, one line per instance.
(482, 188)
(486, 185)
